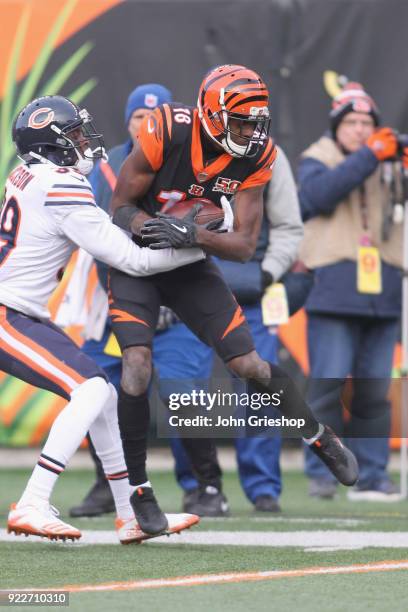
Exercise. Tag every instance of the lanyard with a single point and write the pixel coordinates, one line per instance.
(364, 209)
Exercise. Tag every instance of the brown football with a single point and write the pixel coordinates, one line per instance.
(209, 211)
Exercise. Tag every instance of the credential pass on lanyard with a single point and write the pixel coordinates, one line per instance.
(368, 256)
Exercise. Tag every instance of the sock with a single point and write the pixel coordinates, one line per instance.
(99, 473)
(292, 405)
(143, 485)
(121, 492)
(105, 436)
(66, 434)
(42, 480)
(134, 416)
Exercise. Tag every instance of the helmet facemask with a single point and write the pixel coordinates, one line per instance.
(253, 142)
(79, 143)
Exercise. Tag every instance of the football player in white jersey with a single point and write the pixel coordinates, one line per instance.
(49, 210)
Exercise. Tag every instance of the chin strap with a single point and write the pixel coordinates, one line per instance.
(231, 148)
(84, 166)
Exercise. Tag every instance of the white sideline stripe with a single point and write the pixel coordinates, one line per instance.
(320, 549)
(338, 522)
(203, 579)
(37, 358)
(330, 539)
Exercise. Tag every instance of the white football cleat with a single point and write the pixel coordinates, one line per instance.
(41, 521)
(129, 531)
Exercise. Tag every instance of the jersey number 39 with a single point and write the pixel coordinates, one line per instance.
(9, 224)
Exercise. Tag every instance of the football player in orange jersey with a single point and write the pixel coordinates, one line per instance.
(221, 148)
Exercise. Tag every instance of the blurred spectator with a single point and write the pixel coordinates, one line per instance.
(348, 188)
(277, 248)
(276, 252)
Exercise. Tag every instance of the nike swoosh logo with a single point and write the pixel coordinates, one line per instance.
(150, 127)
(183, 229)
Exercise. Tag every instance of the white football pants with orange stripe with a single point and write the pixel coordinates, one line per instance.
(40, 353)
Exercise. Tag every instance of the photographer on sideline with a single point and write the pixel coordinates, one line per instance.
(349, 187)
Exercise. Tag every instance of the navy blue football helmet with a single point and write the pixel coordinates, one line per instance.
(55, 129)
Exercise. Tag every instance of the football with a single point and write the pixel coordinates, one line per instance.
(209, 211)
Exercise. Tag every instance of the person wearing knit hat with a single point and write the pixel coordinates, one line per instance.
(354, 246)
(354, 122)
(352, 98)
(142, 101)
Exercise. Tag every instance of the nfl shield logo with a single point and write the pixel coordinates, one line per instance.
(151, 100)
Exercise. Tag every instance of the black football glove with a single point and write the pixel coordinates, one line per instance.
(166, 231)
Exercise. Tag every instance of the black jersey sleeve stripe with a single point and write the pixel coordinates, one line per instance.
(238, 82)
(224, 74)
(167, 123)
(167, 119)
(268, 156)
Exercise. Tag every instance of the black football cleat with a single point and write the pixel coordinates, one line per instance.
(339, 459)
(150, 518)
(210, 502)
(98, 501)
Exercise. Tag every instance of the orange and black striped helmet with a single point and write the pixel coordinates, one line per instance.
(234, 92)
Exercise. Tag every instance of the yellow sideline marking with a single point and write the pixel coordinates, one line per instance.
(202, 579)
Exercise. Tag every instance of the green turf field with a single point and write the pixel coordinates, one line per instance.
(25, 564)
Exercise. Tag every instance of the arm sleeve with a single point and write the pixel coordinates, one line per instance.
(285, 224)
(322, 188)
(91, 229)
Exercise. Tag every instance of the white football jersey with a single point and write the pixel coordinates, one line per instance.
(33, 250)
(48, 211)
